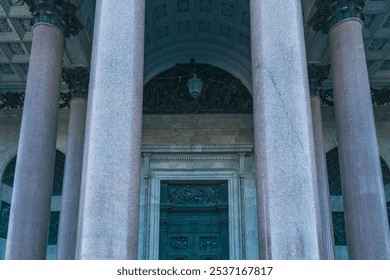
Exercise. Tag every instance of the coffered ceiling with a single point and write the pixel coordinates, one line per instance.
(210, 31)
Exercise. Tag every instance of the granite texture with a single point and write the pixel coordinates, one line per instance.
(109, 204)
(30, 206)
(288, 204)
(361, 177)
(67, 231)
(322, 178)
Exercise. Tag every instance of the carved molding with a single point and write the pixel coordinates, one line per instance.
(179, 243)
(77, 79)
(194, 195)
(194, 157)
(208, 243)
(379, 97)
(15, 100)
(167, 93)
(60, 13)
(330, 12)
(11, 100)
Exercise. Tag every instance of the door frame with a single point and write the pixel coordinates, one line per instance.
(152, 207)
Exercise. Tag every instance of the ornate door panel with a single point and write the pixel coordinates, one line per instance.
(194, 221)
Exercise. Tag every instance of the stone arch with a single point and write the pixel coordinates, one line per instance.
(218, 55)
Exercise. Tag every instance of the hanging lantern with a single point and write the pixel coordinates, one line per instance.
(195, 86)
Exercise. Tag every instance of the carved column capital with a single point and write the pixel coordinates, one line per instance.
(77, 80)
(59, 13)
(331, 12)
(317, 75)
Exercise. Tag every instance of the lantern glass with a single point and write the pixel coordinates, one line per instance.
(195, 86)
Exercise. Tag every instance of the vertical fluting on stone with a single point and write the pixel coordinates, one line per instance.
(366, 221)
(77, 80)
(288, 203)
(109, 204)
(317, 74)
(34, 173)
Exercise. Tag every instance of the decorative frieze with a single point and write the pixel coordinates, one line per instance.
(4, 26)
(194, 157)
(77, 80)
(379, 97)
(168, 93)
(15, 100)
(330, 12)
(11, 100)
(59, 13)
(194, 195)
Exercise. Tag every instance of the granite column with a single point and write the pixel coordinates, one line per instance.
(365, 212)
(77, 80)
(109, 204)
(34, 173)
(317, 74)
(361, 176)
(288, 201)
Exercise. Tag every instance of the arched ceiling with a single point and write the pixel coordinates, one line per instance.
(216, 32)
(210, 31)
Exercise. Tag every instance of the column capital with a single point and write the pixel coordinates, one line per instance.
(77, 79)
(317, 75)
(59, 13)
(330, 12)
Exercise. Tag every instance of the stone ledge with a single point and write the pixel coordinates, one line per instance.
(150, 149)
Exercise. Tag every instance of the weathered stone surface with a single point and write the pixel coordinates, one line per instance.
(111, 168)
(288, 206)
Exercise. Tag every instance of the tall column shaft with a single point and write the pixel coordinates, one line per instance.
(322, 177)
(109, 205)
(289, 217)
(361, 177)
(34, 173)
(67, 230)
